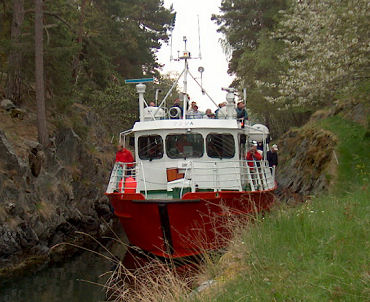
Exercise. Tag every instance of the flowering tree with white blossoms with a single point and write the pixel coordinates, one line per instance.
(327, 50)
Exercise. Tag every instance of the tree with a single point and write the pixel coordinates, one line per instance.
(327, 50)
(247, 26)
(89, 46)
(39, 74)
(242, 20)
(14, 81)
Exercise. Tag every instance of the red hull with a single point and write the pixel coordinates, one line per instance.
(187, 226)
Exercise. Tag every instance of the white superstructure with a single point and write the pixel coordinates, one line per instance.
(189, 154)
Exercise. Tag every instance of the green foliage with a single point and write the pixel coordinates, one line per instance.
(296, 56)
(120, 37)
(79, 127)
(90, 46)
(242, 20)
(164, 83)
(247, 26)
(327, 50)
(117, 104)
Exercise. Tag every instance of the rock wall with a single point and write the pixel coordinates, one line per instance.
(307, 162)
(51, 193)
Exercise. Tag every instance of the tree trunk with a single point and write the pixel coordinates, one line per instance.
(14, 81)
(76, 60)
(39, 74)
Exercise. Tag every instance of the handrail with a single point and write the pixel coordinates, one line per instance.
(216, 175)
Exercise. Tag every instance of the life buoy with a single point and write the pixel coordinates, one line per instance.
(175, 112)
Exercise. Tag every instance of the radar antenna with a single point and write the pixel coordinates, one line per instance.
(171, 56)
(200, 55)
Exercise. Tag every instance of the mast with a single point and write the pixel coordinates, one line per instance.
(185, 56)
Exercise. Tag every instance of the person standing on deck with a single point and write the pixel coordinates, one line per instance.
(253, 155)
(241, 112)
(209, 114)
(272, 156)
(124, 155)
(194, 113)
(253, 158)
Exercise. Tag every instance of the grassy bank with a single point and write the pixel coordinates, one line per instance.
(317, 251)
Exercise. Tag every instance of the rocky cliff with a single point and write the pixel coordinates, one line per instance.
(48, 194)
(308, 160)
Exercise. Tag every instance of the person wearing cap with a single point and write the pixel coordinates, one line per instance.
(194, 113)
(272, 156)
(253, 155)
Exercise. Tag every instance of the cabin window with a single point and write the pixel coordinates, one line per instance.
(220, 145)
(150, 147)
(184, 145)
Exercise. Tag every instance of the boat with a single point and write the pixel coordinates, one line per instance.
(190, 176)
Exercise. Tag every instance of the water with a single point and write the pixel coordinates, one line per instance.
(61, 282)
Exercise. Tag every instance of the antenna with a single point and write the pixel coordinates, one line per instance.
(200, 55)
(171, 56)
(172, 28)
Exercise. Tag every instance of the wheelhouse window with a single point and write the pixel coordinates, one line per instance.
(220, 145)
(184, 145)
(150, 147)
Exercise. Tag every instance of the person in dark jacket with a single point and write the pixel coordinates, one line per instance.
(177, 103)
(241, 112)
(260, 146)
(272, 156)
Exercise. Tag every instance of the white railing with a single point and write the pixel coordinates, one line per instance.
(120, 173)
(240, 175)
(234, 175)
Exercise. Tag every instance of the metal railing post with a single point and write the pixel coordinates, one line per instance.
(144, 181)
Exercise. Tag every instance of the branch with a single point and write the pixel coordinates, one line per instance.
(50, 14)
(59, 18)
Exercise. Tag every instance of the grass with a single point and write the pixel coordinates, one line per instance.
(354, 153)
(317, 251)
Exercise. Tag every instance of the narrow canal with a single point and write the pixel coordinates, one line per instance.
(69, 281)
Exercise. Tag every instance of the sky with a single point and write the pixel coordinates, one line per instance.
(214, 60)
